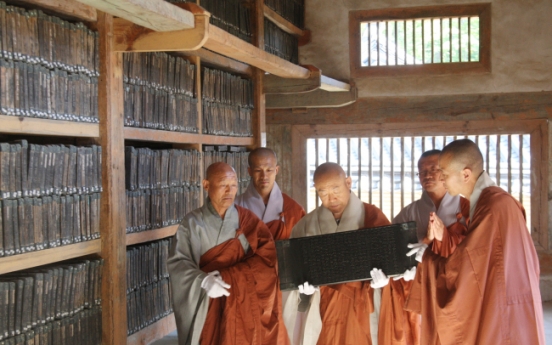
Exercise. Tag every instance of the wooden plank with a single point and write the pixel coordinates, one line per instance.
(226, 44)
(500, 106)
(144, 134)
(156, 15)
(279, 85)
(29, 125)
(113, 203)
(333, 85)
(313, 99)
(131, 37)
(47, 256)
(154, 331)
(221, 62)
(69, 8)
(150, 235)
(281, 22)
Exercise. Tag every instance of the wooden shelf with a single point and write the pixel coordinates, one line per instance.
(316, 81)
(219, 61)
(30, 125)
(150, 235)
(144, 134)
(154, 331)
(284, 24)
(47, 256)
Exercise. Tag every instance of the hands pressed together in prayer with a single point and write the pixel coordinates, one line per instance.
(214, 285)
(435, 227)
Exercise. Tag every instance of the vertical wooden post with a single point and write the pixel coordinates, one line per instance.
(259, 118)
(110, 99)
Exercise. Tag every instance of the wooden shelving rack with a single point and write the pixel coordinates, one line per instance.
(146, 26)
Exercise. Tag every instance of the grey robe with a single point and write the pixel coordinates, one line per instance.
(419, 210)
(252, 200)
(199, 231)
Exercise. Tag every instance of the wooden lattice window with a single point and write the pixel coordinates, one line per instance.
(436, 40)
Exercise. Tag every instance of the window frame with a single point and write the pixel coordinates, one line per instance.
(482, 66)
(538, 129)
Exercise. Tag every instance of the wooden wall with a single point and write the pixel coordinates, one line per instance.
(407, 111)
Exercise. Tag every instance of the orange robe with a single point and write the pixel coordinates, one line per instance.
(291, 213)
(252, 312)
(345, 308)
(487, 290)
(402, 327)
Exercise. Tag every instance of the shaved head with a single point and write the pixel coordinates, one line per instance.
(260, 152)
(328, 169)
(461, 164)
(333, 187)
(218, 168)
(464, 153)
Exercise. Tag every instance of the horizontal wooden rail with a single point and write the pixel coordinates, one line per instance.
(150, 235)
(30, 125)
(69, 8)
(154, 331)
(144, 134)
(47, 256)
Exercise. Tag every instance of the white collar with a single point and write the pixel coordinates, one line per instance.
(483, 181)
(252, 200)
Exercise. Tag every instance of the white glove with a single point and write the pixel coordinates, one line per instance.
(407, 275)
(214, 285)
(418, 248)
(307, 289)
(379, 279)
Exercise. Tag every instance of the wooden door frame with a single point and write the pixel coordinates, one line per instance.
(538, 129)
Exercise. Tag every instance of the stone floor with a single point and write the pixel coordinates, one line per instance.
(171, 339)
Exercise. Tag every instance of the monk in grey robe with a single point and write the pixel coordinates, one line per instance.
(223, 271)
(337, 314)
(264, 197)
(398, 326)
(487, 290)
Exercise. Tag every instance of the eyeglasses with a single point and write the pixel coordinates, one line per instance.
(425, 173)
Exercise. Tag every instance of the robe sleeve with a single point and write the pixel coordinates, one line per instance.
(190, 301)
(454, 233)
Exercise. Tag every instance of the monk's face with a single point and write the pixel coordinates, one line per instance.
(222, 188)
(334, 191)
(451, 175)
(430, 174)
(263, 173)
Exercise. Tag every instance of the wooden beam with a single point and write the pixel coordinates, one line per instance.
(315, 81)
(113, 203)
(156, 15)
(281, 22)
(29, 125)
(130, 37)
(150, 235)
(69, 8)
(153, 332)
(502, 106)
(313, 99)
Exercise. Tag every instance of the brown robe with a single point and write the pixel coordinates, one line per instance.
(291, 213)
(345, 308)
(487, 290)
(252, 312)
(402, 327)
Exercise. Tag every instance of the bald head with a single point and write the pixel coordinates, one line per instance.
(328, 169)
(218, 168)
(464, 153)
(333, 187)
(260, 153)
(461, 164)
(221, 185)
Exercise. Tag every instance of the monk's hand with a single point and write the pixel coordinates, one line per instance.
(435, 227)
(307, 289)
(214, 285)
(408, 275)
(379, 279)
(418, 249)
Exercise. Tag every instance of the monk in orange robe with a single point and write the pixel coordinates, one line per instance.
(487, 290)
(264, 198)
(398, 326)
(223, 271)
(336, 314)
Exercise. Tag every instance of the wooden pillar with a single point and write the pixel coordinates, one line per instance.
(110, 103)
(259, 118)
